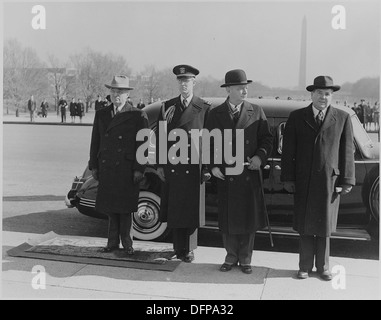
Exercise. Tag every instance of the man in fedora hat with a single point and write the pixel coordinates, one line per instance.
(182, 198)
(241, 206)
(318, 167)
(113, 163)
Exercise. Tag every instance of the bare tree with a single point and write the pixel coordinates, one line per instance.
(94, 70)
(24, 74)
(57, 79)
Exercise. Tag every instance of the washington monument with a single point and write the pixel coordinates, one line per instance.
(303, 56)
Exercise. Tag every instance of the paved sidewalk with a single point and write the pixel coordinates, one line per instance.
(273, 278)
(52, 118)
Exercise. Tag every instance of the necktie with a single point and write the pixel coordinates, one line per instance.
(320, 118)
(184, 105)
(235, 113)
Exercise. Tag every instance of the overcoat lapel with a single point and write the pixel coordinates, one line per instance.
(309, 118)
(330, 118)
(246, 117)
(190, 112)
(224, 118)
(122, 116)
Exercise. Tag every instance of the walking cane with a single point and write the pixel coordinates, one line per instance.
(263, 195)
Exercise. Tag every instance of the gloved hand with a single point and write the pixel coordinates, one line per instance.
(138, 176)
(217, 173)
(289, 186)
(346, 188)
(205, 175)
(254, 163)
(160, 173)
(94, 173)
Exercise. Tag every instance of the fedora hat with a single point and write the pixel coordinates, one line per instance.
(323, 82)
(235, 78)
(119, 82)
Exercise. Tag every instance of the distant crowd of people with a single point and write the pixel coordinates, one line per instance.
(32, 108)
(76, 109)
(99, 103)
(368, 115)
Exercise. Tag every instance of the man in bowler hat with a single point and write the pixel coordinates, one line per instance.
(183, 192)
(318, 167)
(241, 206)
(113, 163)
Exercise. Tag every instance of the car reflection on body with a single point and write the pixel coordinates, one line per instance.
(358, 213)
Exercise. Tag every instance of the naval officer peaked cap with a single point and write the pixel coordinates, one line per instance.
(184, 70)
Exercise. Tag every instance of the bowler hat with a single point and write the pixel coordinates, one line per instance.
(184, 70)
(235, 78)
(323, 82)
(119, 82)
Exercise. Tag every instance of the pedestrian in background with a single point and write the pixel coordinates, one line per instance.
(183, 187)
(44, 108)
(73, 110)
(63, 106)
(113, 163)
(98, 103)
(141, 104)
(80, 109)
(318, 167)
(31, 108)
(241, 206)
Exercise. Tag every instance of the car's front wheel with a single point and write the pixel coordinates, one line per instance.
(146, 220)
(374, 199)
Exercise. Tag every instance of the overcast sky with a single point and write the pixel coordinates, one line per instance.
(261, 37)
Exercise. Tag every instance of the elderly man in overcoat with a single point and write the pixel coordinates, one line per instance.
(241, 206)
(113, 163)
(183, 193)
(318, 167)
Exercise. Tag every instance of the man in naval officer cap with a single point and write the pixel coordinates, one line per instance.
(183, 192)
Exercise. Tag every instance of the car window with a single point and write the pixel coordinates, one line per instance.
(361, 136)
(280, 132)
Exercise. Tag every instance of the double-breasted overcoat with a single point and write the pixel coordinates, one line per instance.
(113, 152)
(183, 193)
(241, 206)
(317, 160)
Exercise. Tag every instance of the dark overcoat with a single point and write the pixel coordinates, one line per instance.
(183, 194)
(317, 160)
(241, 206)
(113, 152)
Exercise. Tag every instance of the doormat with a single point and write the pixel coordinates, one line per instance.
(85, 250)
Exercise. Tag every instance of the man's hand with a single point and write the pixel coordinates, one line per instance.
(205, 175)
(138, 176)
(94, 173)
(346, 188)
(289, 186)
(160, 173)
(217, 173)
(254, 163)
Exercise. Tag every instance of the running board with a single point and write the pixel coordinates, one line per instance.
(343, 233)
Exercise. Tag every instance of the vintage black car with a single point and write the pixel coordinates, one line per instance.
(359, 210)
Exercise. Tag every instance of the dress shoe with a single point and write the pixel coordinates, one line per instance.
(129, 250)
(226, 267)
(108, 249)
(246, 269)
(325, 275)
(189, 257)
(302, 274)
